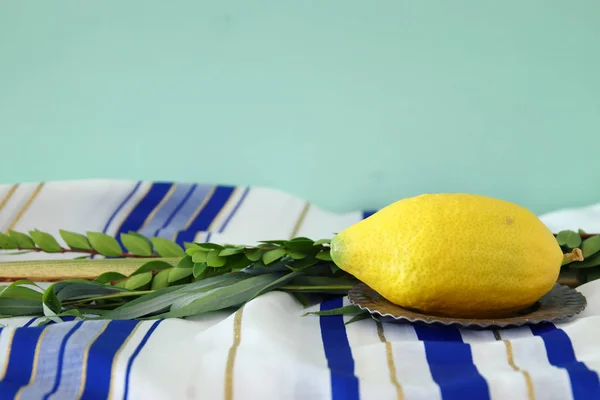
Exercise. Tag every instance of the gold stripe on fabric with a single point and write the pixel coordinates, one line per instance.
(114, 363)
(390, 362)
(25, 207)
(511, 361)
(159, 205)
(222, 210)
(86, 354)
(8, 196)
(8, 350)
(34, 368)
(237, 338)
(300, 220)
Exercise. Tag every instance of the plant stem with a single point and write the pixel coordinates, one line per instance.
(57, 270)
(91, 252)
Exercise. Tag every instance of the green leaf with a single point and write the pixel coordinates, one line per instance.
(254, 255)
(200, 257)
(322, 269)
(178, 274)
(590, 246)
(108, 277)
(78, 288)
(45, 241)
(121, 284)
(302, 299)
(20, 307)
(199, 269)
(274, 242)
(214, 260)
(334, 268)
(104, 244)
(163, 298)
(25, 282)
(304, 263)
(24, 241)
(210, 246)
(324, 255)
(322, 241)
(237, 262)
(568, 238)
(295, 255)
(74, 240)
(193, 250)
(189, 245)
(230, 251)
(161, 280)
(7, 242)
(581, 232)
(300, 245)
(273, 255)
(224, 297)
(50, 300)
(359, 317)
(21, 292)
(71, 313)
(592, 261)
(138, 281)
(301, 239)
(337, 311)
(167, 248)
(150, 266)
(275, 284)
(139, 235)
(136, 245)
(185, 262)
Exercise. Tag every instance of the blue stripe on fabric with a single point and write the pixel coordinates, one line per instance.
(230, 216)
(61, 357)
(451, 363)
(368, 213)
(235, 209)
(31, 321)
(584, 382)
(101, 356)
(135, 354)
(176, 210)
(48, 360)
(187, 211)
(207, 215)
(20, 362)
(165, 212)
(138, 215)
(344, 384)
(120, 207)
(73, 364)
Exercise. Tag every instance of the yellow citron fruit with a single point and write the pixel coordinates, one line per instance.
(456, 255)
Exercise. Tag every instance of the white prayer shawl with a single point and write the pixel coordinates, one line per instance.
(267, 349)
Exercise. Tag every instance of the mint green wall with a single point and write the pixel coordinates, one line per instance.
(389, 98)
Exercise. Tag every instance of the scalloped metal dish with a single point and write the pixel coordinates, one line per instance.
(561, 302)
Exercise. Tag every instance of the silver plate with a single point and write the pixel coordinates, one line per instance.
(560, 303)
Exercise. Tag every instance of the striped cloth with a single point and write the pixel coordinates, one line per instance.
(267, 349)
